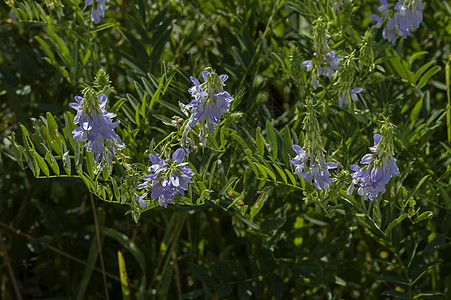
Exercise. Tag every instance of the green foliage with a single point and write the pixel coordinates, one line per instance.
(247, 227)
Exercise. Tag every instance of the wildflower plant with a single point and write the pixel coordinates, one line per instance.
(404, 17)
(243, 181)
(96, 126)
(310, 160)
(381, 165)
(210, 102)
(98, 9)
(345, 84)
(166, 180)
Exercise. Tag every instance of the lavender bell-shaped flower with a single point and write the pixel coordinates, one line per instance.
(381, 167)
(310, 162)
(98, 12)
(96, 127)
(167, 179)
(406, 16)
(209, 104)
(326, 66)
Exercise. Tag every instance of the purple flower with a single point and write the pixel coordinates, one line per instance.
(141, 202)
(407, 16)
(318, 170)
(381, 167)
(331, 65)
(95, 127)
(209, 103)
(333, 62)
(166, 180)
(208, 110)
(99, 11)
(345, 95)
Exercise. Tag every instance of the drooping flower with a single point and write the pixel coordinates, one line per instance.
(346, 94)
(141, 202)
(406, 16)
(99, 11)
(330, 64)
(209, 103)
(96, 128)
(167, 179)
(381, 167)
(316, 170)
(310, 162)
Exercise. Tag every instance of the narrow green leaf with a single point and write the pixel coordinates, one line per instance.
(41, 163)
(78, 157)
(252, 165)
(424, 80)
(269, 172)
(123, 276)
(90, 163)
(260, 202)
(26, 138)
(272, 139)
(417, 187)
(226, 187)
(422, 70)
(69, 121)
(90, 184)
(105, 174)
(31, 161)
(281, 173)
(52, 162)
(426, 215)
(86, 57)
(416, 110)
(239, 139)
(286, 144)
(15, 149)
(417, 55)
(46, 48)
(143, 106)
(66, 162)
(117, 194)
(137, 114)
(260, 143)
(156, 95)
(262, 170)
(134, 250)
(292, 179)
(395, 222)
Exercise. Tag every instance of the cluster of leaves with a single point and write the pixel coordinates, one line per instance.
(247, 227)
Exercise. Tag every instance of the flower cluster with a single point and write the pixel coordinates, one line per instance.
(96, 127)
(166, 179)
(318, 170)
(331, 62)
(99, 11)
(381, 166)
(310, 163)
(406, 17)
(209, 103)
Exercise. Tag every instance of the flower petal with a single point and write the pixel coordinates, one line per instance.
(178, 155)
